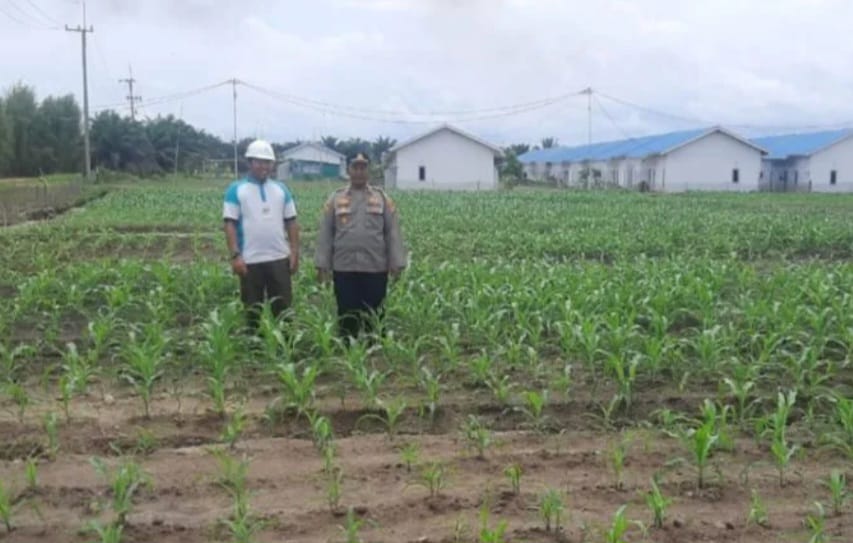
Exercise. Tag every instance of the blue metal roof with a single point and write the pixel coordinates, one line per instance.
(628, 148)
(788, 145)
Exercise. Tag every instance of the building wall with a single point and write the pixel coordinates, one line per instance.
(316, 154)
(838, 157)
(707, 164)
(450, 161)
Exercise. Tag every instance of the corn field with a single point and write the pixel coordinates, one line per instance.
(558, 366)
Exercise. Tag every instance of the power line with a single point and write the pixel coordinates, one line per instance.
(44, 15)
(656, 111)
(612, 120)
(166, 98)
(30, 19)
(348, 112)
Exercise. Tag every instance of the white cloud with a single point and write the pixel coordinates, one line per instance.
(726, 61)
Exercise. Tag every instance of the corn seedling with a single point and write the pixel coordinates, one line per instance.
(234, 428)
(18, 394)
(501, 388)
(321, 431)
(242, 525)
(513, 472)
(352, 528)
(837, 486)
(431, 384)
(409, 454)
(618, 527)
(233, 472)
(110, 533)
(333, 488)
(31, 474)
(658, 503)
(534, 408)
(51, 422)
(330, 456)
(700, 443)
(297, 392)
(433, 478)
(477, 435)
(551, 509)
(781, 451)
(144, 366)
(816, 524)
(491, 535)
(757, 511)
(124, 483)
(616, 456)
(392, 412)
(7, 506)
(219, 352)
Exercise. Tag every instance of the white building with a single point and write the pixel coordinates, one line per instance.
(444, 158)
(311, 161)
(816, 162)
(711, 159)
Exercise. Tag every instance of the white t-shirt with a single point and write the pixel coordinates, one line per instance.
(260, 210)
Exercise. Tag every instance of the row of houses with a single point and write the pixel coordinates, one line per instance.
(708, 159)
(712, 158)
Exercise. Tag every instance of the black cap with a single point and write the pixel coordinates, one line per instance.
(359, 157)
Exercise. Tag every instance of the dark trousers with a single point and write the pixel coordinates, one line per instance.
(360, 297)
(266, 281)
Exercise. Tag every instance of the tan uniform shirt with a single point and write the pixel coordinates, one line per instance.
(359, 232)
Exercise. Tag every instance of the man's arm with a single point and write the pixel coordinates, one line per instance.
(237, 262)
(292, 227)
(325, 241)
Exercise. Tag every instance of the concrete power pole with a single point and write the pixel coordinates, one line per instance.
(588, 92)
(86, 146)
(130, 96)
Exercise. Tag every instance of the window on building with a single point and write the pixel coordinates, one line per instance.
(833, 177)
(796, 176)
(422, 173)
(736, 176)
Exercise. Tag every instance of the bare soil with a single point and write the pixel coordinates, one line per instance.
(287, 483)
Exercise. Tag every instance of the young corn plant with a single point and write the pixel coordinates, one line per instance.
(551, 509)
(477, 436)
(409, 454)
(234, 428)
(491, 535)
(297, 391)
(8, 506)
(757, 512)
(618, 527)
(334, 481)
(219, 351)
(816, 524)
(233, 472)
(780, 449)
(352, 528)
(431, 384)
(51, 430)
(18, 394)
(392, 412)
(242, 525)
(144, 365)
(321, 431)
(658, 503)
(701, 443)
(124, 482)
(109, 533)
(616, 456)
(76, 374)
(434, 478)
(534, 409)
(513, 472)
(837, 486)
(31, 474)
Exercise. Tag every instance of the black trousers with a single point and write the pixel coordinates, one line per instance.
(360, 297)
(266, 281)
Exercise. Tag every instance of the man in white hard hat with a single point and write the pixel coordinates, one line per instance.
(262, 235)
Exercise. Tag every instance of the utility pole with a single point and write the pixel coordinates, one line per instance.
(86, 146)
(234, 88)
(178, 139)
(130, 96)
(588, 92)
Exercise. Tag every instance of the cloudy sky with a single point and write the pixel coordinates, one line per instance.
(396, 67)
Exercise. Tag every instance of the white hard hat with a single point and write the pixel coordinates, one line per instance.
(260, 149)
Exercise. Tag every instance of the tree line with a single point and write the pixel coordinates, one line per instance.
(44, 137)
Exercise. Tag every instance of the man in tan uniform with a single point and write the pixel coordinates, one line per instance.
(359, 245)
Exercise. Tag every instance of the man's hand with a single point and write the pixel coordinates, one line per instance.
(323, 275)
(238, 265)
(294, 262)
(395, 273)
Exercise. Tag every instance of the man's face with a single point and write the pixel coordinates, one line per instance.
(358, 173)
(260, 169)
